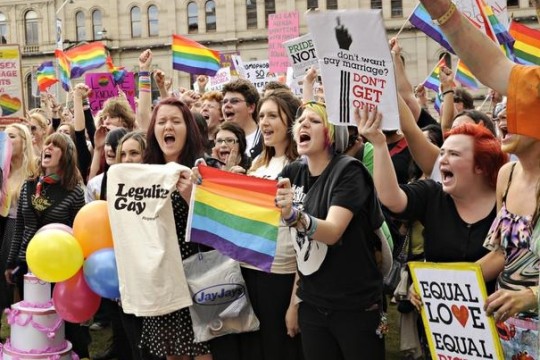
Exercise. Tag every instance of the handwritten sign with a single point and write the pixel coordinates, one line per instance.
(258, 73)
(356, 64)
(11, 88)
(282, 26)
(471, 11)
(301, 53)
(456, 324)
(222, 77)
(103, 88)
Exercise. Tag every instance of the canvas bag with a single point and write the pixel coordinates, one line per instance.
(150, 271)
(220, 300)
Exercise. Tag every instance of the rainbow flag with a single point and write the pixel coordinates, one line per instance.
(421, 19)
(86, 57)
(46, 76)
(118, 72)
(465, 77)
(192, 57)
(438, 103)
(64, 67)
(236, 215)
(432, 82)
(495, 30)
(527, 45)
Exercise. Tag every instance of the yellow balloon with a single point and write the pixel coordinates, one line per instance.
(54, 255)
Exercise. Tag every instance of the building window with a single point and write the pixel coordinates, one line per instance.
(97, 25)
(31, 26)
(193, 17)
(513, 3)
(376, 4)
(269, 8)
(251, 14)
(135, 22)
(331, 4)
(3, 29)
(313, 4)
(33, 101)
(397, 8)
(153, 24)
(79, 24)
(210, 16)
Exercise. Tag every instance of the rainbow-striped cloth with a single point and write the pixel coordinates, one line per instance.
(236, 215)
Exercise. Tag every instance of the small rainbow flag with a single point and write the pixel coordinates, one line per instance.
(432, 82)
(236, 215)
(527, 45)
(438, 102)
(495, 30)
(86, 57)
(64, 67)
(421, 19)
(118, 72)
(192, 57)
(465, 77)
(45, 76)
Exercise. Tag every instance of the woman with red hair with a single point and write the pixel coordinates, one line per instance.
(457, 213)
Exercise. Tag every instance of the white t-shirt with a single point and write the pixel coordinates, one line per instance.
(285, 259)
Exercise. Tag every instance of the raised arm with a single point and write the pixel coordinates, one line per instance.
(403, 84)
(307, 84)
(144, 108)
(446, 76)
(384, 174)
(483, 57)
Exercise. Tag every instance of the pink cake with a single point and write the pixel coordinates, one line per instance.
(37, 332)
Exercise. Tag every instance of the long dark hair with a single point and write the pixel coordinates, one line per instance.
(193, 148)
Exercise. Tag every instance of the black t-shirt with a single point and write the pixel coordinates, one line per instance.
(344, 276)
(447, 238)
(402, 161)
(425, 119)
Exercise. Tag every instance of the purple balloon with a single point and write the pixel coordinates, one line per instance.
(101, 274)
(56, 226)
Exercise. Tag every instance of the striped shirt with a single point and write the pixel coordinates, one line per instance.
(64, 207)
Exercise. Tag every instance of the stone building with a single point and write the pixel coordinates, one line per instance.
(127, 27)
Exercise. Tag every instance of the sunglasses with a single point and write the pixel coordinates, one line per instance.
(232, 101)
(33, 127)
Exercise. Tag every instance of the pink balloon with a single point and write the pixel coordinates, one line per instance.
(56, 226)
(74, 300)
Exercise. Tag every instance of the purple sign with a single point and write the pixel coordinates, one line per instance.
(103, 88)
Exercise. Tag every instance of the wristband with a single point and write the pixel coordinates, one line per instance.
(448, 92)
(144, 73)
(310, 231)
(144, 83)
(447, 15)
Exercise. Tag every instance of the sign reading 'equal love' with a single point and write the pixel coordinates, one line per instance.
(453, 296)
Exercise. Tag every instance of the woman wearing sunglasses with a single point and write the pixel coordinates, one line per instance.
(329, 203)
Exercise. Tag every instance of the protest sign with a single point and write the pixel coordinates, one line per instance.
(470, 10)
(258, 73)
(301, 53)
(282, 26)
(11, 88)
(103, 88)
(356, 64)
(222, 77)
(225, 59)
(453, 296)
(239, 66)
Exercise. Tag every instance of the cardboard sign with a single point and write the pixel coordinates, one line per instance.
(355, 64)
(282, 26)
(103, 88)
(225, 58)
(222, 77)
(453, 296)
(301, 53)
(239, 66)
(258, 72)
(11, 88)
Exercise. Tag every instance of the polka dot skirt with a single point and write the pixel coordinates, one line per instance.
(172, 334)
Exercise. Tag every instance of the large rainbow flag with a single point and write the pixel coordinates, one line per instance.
(86, 57)
(527, 45)
(236, 215)
(46, 76)
(194, 58)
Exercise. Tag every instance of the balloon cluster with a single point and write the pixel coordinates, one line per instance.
(80, 260)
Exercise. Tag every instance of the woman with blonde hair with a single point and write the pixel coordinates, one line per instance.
(38, 125)
(23, 165)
